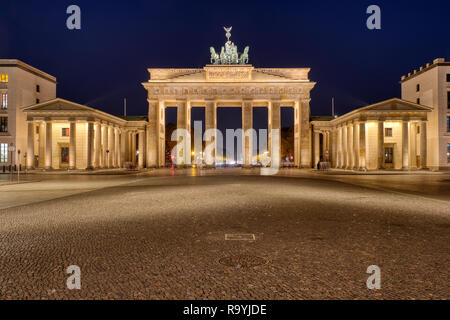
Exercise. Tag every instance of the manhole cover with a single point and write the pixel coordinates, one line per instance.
(242, 261)
(240, 236)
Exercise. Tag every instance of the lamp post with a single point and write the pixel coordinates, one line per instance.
(11, 150)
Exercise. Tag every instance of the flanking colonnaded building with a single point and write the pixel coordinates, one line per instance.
(53, 133)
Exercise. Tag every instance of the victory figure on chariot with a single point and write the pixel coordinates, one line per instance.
(229, 53)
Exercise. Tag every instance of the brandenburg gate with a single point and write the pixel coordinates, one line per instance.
(229, 81)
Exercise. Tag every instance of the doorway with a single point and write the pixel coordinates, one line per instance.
(64, 156)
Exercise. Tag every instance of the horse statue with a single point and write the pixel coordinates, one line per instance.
(234, 55)
(244, 56)
(223, 56)
(214, 56)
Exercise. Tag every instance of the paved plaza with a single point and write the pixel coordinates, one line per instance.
(161, 235)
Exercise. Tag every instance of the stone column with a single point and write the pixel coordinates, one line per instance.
(326, 145)
(247, 133)
(211, 124)
(98, 145)
(133, 148)
(123, 146)
(30, 150)
(153, 134)
(355, 146)
(344, 147)
(333, 153)
(73, 145)
(274, 143)
(350, 149)
(405, 145)
(48, 145)
(141, 149)
(316, 147)
(339, 146)
(104, 146)
(423, 144)
(305, 134)
(380, 144)
(112, 151)
(110, 146)
(90, 145)
(413, 145)
(183, 123)
(105, 137)
(297, 127)
(362, 145)
(116, 148)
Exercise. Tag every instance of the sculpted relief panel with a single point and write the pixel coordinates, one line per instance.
(168, 92)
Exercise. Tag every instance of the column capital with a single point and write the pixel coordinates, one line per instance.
(305, 100)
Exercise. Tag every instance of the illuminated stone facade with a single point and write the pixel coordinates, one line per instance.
(67, 135)
(399, 134)
(229, 86)
(387, 135)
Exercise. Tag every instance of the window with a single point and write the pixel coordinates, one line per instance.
(4, 101)
(3, 152)
(38, 88)
(418, 100)
(448, 77)
(388, 132)
(65, 132)
(418, 87)
(448, 152)
(37, 101)
(448, 99)
(3, 78)
(448, 124)
(3, 124)
(37, 129)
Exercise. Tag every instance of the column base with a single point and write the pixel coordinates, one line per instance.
(72, 168)
(30, 168)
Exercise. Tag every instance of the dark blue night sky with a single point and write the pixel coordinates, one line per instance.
(108, 58)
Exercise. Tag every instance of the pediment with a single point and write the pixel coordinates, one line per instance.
(396, 105)
(57, 105)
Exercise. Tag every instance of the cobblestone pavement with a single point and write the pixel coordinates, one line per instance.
(163, 237)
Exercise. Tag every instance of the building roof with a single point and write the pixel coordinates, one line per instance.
(134, 118)
(26, 67)
(64, 107)
(391, 108)
(228, 73)
(436, 63)
(322, 118)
